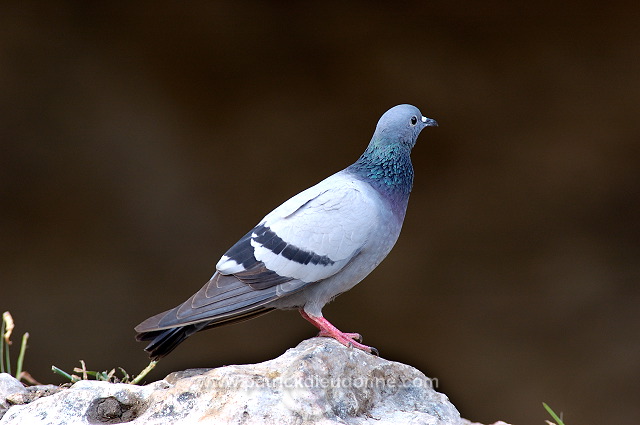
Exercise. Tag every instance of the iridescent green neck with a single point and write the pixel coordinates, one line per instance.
(387, 167)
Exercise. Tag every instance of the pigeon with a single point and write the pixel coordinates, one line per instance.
(315, 246)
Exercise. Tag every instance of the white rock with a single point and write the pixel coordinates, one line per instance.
(319, 381)
(10, 385)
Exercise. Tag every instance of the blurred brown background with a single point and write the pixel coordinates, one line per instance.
(140, 141)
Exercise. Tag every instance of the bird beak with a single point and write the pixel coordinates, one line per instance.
(428, 122)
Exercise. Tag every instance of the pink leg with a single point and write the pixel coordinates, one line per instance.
(345, 338)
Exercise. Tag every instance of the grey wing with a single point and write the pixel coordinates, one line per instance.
(307, 239)
(228, 298)
(224, 299)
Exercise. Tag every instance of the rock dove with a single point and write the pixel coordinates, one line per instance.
(309, 250)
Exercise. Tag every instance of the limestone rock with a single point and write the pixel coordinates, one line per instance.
(32, 393)
(319, 381)
(8, 386)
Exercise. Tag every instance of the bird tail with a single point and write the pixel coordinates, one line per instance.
(223, 300)
(164, 341)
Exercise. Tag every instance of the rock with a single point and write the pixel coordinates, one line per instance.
(8, 387)
(319, 381)
(13, 392)
(32, 393)
(466, 422)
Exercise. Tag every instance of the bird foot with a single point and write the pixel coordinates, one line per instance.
(348, 339)
(354, 336)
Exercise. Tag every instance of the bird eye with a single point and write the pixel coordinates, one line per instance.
(414, 120)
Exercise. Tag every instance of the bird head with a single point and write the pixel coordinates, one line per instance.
(401, 124)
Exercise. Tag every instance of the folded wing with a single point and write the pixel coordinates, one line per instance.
(307, 239)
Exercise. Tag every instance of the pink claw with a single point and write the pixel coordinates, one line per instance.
(347, 339)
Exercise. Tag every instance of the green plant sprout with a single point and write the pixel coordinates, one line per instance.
(553, 415)
(6, 329)
(108, 376)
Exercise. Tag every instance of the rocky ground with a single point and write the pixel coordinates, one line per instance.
(319, 381)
